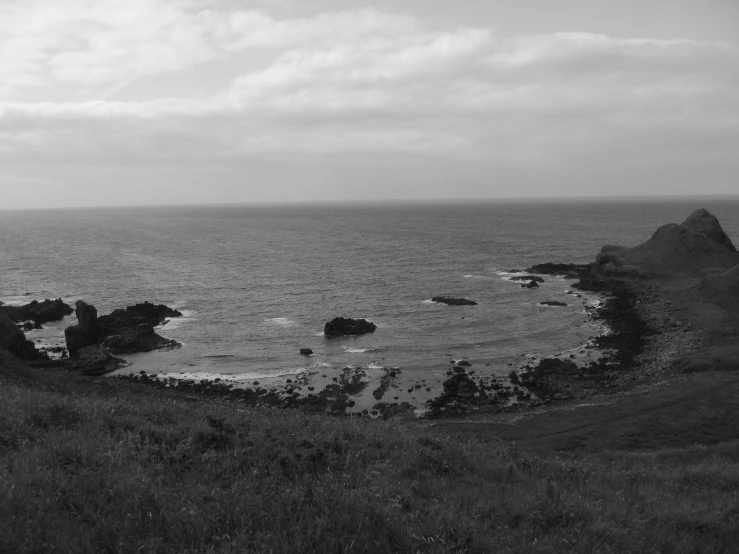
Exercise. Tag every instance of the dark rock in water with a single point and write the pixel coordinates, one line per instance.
(460, 385)
(94, 360)
(153, 314)
(86, 332)
(552, 303)
(464, 363)
(572, 271)
(13, 340)
(140, 338)
(453, 301)
(527, 278)
(530, 285)
(306, 351)
(459, 369)
(341, 326)
(122, 331)
(39, 312)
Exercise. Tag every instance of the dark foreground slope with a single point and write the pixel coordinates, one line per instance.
(113, 466)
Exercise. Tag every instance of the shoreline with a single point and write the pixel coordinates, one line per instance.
(339, 396)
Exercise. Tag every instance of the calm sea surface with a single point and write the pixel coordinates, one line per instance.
(258, 283)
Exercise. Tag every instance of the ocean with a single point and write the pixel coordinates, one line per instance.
(257, 283)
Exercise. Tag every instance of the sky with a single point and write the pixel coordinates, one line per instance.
(139, 102)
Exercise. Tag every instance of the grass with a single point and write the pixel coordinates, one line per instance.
(119, 467)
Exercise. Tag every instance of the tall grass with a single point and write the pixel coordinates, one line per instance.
(130, 469)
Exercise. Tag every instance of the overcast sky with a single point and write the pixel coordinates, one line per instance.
(120, 102)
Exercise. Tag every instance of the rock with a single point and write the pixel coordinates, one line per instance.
(94, 360)
(340, 326)
(460, 385)
(453, 301)
(306, 351)
(153, 314)
(122, 331)
(140, 338)
(464, 363)
(14, 341)
(535, 278)
(458, 369)
(86, 332)
(696, 244)
(39, 312)
(530, 285)
(552, 303)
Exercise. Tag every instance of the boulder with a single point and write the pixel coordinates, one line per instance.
(341, 326)
(306, 351)
(139, 338)
(94, 360)
(453, 301)
(552, 303)
(39, 312)
(530, 285)
(86, 332)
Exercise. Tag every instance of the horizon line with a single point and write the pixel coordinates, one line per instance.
(395, 201)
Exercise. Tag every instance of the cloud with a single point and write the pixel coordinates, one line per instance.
(352, 83)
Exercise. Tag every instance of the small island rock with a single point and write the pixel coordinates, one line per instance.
(453, 301)
(341, 326)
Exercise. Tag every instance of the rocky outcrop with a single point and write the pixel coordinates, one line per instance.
(341, 326)
(152, 314)
(453, 301)
(706, 226)
(14, 341)
(306, 351)
(123, 331)
(139, 338)
(696, 244)
(39, 312)
(94, 360)
(86, 332)
(530, 285)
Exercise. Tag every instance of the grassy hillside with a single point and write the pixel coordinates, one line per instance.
(113, 466)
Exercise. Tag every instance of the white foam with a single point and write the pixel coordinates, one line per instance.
(356, 350)
(429, 301)
(375, 365)
(175, 322)
(240, 378)
(282, 321)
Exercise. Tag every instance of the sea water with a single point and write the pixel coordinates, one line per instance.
(257, 283)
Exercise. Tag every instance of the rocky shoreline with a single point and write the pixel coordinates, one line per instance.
(646, 330)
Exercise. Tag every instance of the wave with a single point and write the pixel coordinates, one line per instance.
(282, 321)
(356, 350)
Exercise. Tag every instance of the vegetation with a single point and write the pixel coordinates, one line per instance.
(114, 466)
